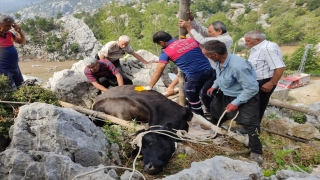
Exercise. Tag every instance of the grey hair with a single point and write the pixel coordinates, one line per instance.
(124, 38)
(4, 17)
(214, 46)
(219, 25)
(255, 34)
(89, 60)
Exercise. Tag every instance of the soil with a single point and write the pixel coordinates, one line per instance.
(308, 94)
(43, 70)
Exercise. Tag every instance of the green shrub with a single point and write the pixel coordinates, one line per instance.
(74, 47)
(35, 93)
(299, 2)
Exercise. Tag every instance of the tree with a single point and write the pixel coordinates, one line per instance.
(17, 15)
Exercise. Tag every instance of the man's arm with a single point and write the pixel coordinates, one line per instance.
(157, 74)
(119, 79)
(273, 81)
(139, 58)
(20, 38)
(199, 28)
(99, 86)
(170, 89)
(194, 33)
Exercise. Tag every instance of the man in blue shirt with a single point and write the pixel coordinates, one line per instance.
(238, 90)
(187, 55)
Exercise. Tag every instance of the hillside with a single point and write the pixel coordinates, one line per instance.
(285, 22)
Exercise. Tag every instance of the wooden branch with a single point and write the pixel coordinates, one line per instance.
(288, 106)
(127, 124)
(286, 136)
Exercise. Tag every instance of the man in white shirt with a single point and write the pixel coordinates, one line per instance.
(266, 59)
(114, 50)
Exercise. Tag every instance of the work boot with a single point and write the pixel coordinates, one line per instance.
(256, 158)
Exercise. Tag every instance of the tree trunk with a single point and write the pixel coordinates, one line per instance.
(295, 108)
(184, 8)
(101, 115)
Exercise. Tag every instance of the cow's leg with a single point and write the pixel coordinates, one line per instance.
(201, 120)
(204, 122)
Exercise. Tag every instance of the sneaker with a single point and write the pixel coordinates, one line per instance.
(256, 158)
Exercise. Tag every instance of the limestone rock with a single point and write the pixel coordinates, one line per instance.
(50, 142)
(43, 127)
(219, 167)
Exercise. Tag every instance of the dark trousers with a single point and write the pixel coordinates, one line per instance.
(14, 75)
(193, 87)
(117, 64)
(206, 100)
(264, 97)
(248, 117)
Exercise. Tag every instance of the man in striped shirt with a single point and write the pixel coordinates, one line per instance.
(114, 50)
(102, 74)
(266, 59)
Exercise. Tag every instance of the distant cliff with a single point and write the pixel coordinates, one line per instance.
(51, 8)
(73, 31)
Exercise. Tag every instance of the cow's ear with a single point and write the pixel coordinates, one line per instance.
(167, 126)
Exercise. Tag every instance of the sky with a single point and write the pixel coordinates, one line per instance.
(10, 5)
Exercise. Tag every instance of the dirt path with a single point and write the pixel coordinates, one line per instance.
(43, 70)
(308, 94)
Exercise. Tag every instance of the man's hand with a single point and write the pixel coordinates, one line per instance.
(230, 107)
(267, 87)
(210, 91)
(185, 24)
(17, 28)
(170, 91)
(191, 17)
(142, 88)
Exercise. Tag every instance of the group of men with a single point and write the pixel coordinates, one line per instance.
(214, 77)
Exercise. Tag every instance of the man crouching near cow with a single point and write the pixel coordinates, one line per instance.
(102, 74)
(238, 90)
(187, 55)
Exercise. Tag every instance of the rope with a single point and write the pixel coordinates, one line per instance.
(224, 112)
(138, 142)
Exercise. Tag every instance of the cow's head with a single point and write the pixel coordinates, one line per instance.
(157, 149)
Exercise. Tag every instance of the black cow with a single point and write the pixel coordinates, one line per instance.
(152, 107)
